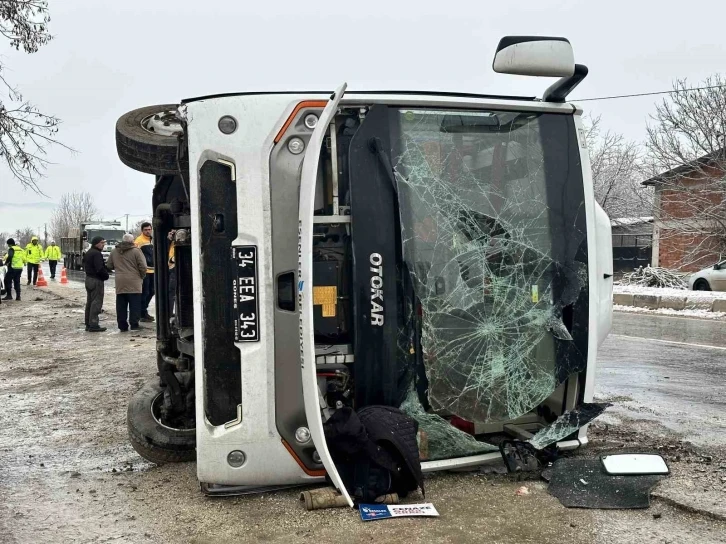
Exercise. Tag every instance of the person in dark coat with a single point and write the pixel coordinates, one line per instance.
(15, 262)
(96, 274)
(130, 265)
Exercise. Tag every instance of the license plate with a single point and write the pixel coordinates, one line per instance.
(246, 311)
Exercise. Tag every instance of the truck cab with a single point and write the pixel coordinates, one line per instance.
(77, 242)
(441, 253)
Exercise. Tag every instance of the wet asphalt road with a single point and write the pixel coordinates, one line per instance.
(76, 276)
(667, 369)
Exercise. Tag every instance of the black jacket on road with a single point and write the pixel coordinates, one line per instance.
(94, 266)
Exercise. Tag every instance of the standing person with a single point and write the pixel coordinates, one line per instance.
(15, 262)
(96, 274)
(130, 265)
(33, 256)
(145, 244)
(52, 255)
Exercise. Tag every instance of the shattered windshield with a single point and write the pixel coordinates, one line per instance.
(494, 242)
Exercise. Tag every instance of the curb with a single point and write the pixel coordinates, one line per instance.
(688, 507)
(656, 302)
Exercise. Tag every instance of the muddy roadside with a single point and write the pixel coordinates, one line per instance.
(68, 474)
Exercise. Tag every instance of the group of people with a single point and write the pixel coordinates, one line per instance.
(133, 263)
(17, 258)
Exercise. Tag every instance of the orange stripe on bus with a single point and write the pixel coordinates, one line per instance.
(301, 105)
(306, 470)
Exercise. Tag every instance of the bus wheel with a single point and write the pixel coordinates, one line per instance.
(153, 440)
(147, 140)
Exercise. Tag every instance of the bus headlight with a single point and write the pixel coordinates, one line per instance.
(236, 458)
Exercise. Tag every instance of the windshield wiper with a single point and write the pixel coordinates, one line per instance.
(374, 144)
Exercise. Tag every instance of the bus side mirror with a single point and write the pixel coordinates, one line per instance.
(534, 56)
(85, 235)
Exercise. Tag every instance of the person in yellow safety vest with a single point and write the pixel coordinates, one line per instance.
(145, 244)
(15, 262)
(52, 255)
(33, 256)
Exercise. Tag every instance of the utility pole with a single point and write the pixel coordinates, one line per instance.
(127, 222)
(45, 234)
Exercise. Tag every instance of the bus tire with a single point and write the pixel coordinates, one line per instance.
(147, 140)
(155, 442)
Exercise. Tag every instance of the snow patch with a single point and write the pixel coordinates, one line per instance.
(666, 292)
(702, 314)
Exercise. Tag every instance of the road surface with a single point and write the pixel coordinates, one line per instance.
(68, 473)
(668, 369)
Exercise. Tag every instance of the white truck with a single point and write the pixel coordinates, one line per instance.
(77, 242)
(438, 252)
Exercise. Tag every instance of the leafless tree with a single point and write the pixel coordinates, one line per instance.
(22, 236)
(616, 172)
(687, 165)
(25, 131)
(72, 209)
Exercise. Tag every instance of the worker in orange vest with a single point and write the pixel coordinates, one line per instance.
(145, 243)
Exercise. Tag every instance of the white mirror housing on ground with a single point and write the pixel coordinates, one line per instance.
(534, 56)
(623, 464)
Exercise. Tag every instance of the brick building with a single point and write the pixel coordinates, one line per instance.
(689, 231)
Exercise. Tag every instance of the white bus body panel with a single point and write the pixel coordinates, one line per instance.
(308, 367)
(600, 265)
(248, 148)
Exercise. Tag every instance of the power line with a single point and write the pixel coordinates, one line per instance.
(647, 94)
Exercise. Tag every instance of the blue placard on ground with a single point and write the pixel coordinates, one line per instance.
(370, 512)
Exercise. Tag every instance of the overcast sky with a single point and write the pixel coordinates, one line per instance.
(111, 57)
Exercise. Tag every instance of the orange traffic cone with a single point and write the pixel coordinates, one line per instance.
(41, 278)
(64, 276)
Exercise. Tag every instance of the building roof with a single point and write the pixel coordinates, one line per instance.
(685, 168)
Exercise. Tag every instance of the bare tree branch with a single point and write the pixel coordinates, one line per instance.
(616, 172)
(22, 236)
(687, 157)
(72, 209)
(25, 131)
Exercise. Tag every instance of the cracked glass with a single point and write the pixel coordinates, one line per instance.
(439, 439)
(566, 424)
(494, 241)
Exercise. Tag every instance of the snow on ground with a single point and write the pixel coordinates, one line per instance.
(665, 291)
(703, 314)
